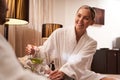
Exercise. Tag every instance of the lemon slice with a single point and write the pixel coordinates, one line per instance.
(36, 60)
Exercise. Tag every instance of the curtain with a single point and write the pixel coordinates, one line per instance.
(40, 11)
(2, 30)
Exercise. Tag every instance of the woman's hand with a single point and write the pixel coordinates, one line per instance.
(30, 49)
(56, 75)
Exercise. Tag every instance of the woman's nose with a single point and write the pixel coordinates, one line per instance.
(80, 19)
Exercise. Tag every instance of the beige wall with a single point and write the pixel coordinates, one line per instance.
(59, 12)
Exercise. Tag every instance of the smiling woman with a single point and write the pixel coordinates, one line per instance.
(73, 42)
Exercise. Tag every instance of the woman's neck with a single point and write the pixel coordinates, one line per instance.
(79, 34)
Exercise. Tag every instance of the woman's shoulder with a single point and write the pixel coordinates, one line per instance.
(90, 39)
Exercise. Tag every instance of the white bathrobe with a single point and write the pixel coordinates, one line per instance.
(72, 58)
(10, 68)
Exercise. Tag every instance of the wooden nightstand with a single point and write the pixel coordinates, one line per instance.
(106, 61)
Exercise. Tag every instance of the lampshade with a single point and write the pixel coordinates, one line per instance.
(18, 12)
(48, 28)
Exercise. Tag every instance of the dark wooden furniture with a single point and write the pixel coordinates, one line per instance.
(106, 61)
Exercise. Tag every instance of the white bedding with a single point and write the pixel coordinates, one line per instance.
(114, 75)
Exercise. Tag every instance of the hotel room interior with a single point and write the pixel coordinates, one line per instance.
(44, 16)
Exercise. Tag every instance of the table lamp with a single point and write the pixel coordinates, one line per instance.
(17, 14)
(48, 28)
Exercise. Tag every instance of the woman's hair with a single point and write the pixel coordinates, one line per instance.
(91, 10)
(2, 4)
(3, 10)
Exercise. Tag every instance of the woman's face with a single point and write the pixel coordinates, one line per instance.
(83, 19)
(3, 10)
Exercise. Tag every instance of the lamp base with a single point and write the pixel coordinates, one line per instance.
(6, 29)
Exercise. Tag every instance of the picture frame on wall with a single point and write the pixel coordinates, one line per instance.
(100, 16)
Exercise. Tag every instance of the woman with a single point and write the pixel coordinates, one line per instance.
(71, 49)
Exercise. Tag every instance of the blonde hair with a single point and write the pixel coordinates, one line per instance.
(91, 10)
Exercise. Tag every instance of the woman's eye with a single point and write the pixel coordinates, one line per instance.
(87, 18)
